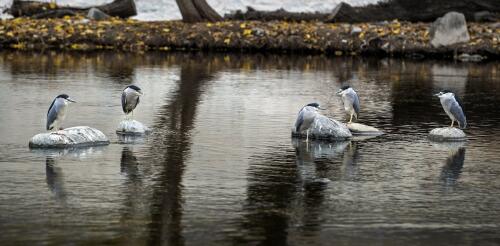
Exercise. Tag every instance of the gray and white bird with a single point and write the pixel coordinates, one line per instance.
(453, 107)
(130, 98)
(306, 117)
(57, 112)
(351, 101)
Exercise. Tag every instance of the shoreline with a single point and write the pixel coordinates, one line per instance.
(384, 39)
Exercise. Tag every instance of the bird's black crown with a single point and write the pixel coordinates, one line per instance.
(65, 96)
(345, 87)
(446, 91)
(134, 87)
(316, 105)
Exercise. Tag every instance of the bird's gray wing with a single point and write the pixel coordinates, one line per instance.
(52, 114)
(458, 113)
(124, 101)
(299, 121)
(355, 104)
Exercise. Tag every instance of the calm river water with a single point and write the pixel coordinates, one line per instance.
(221, 168)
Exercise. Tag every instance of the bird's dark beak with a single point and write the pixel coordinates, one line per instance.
(71, 100)
(339, 91)
(320, 108)
(438, 94)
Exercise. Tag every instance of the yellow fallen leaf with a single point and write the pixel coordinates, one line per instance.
(209, 24)
(247, 32)
(243, 25)
(227, 40)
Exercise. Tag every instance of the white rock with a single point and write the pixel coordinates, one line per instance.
(97, 14)
(77, 136)
(325, 128)
(132, 127)
(449, 29)
(360, 129)
(447, 134)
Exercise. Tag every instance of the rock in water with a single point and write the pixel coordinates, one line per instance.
(97, 14)
(324, 128)
(78, 136)
(449, 29)
(447, 134)
(360, 129)
(132, 127)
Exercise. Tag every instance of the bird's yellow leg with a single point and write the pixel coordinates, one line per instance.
(452, 121)
(350, 120)
(307, 135)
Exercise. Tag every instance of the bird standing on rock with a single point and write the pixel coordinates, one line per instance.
(130, 98)
(351, 101)
(57, 112)
(453, 108)
(306, 118)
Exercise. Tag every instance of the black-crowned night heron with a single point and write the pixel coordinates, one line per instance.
(453, 107)
(306, 118)
(57, 112)
(351, 101)
(130, 98)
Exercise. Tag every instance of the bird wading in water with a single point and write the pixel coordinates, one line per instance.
(351, 101)
(453, 108)
(130, 99)
(57, 112)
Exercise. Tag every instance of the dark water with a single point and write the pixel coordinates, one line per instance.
(221, 168)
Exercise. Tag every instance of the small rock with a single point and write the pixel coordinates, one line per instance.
(97, 14)
(360, 129)
(355, 30)
(324, 128)
(447, 134)
(449, 29)
(78, 136)
(132, 127)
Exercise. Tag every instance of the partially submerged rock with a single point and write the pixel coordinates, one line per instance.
(447, 134)
(449, 29)
(361, 129)
(78, 136)
(132, 127)
(324, 128)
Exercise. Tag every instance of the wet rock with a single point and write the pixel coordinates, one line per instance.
(449, 29)
(361, 129)
(132, 127)
(78, 136)
(324, 128)
(96, 14)
(470, 58)
(447, 134)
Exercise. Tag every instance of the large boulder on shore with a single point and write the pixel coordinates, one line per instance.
(449, 29)
(97, 14)
(78, 136)
(445, 134)
(132, 127)
(324, 128)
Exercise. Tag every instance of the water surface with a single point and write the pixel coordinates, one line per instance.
(220, 167)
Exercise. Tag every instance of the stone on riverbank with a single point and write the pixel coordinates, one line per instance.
(78, 136)
(447, 134)
(132, 127)
(361, 129)
(324, 128)
(96, 14)
(449, 29)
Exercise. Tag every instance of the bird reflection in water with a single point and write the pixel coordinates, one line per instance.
(55, 181)
(454, 162)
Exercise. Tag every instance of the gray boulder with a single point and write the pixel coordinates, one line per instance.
(324, 128)
(78, 136)
(358, 129)
(132, 127)
(97, 14)
(447, 134)
(449, 29)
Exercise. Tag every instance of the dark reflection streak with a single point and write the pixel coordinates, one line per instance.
(173, 126)
(349, 162)
(55, 180)
(286, 191)
(453, 167)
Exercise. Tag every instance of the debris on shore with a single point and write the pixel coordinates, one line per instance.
(387, 38)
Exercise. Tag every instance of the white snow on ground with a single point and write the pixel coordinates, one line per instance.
(167, 9)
